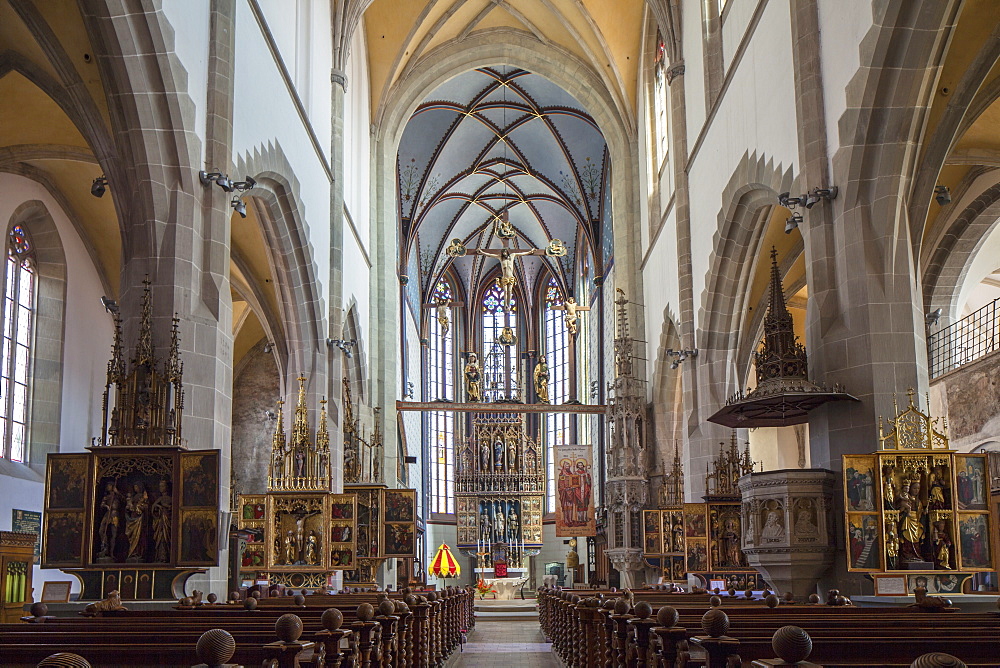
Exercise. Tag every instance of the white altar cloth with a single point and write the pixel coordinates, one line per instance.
(506, 587)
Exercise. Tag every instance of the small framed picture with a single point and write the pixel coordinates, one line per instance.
(56, 592)
(890, 585)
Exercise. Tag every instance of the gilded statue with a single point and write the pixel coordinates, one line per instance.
(111, 504)
(474, 379)
(911, 526)
(942, 545)
(889, 490)
(572, 315)
(541, 377)
(891, 542)
(936, 493)
(505, 230)
(161, 511)
(291, 551)
(312, 549)
(136, 507)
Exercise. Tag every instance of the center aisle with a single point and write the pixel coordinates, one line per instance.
(507, 644)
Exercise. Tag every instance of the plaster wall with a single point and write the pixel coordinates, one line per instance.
(694, 68)
(190, 19)
(357, 139)
(969, 398)
(662, 290)
(302, 32)
(735, 21)
(751, 116)
(264, 114)
(87, 346)
(841, 30)
(255, 391)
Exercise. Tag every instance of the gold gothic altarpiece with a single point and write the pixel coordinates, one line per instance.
(917, 506)
(138, 513)
(499, 492)
(299, 532)
(703, 539)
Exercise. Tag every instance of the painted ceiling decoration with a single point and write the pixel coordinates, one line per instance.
(500, 144)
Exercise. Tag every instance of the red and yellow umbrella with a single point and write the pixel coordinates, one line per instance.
(444, 564)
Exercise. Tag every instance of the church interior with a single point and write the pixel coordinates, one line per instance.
(500, 332)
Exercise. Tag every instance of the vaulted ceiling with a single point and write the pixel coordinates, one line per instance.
(606, 35)
(499, 142)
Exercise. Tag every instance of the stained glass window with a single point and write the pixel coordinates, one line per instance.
(660, 102)
(557, 426)
(18, 311)
(496, 367)
(441, 385)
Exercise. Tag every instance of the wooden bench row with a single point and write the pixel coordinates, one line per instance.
(400, 631)
(660, 629)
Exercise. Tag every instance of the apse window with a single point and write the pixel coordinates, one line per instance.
(18, 312)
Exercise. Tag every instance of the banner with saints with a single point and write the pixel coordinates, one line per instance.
(574, 491)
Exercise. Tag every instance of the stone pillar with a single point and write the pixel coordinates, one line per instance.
(789, 527)
(335, 308)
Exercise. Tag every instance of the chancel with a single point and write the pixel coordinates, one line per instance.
(608, 333)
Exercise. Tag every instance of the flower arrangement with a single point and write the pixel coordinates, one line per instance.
(484, 589)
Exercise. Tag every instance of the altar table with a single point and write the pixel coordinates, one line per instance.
(506, 587)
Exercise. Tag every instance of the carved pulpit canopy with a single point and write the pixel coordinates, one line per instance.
(784, 394)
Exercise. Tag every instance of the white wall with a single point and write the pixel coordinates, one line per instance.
(191, 37)
(357, 178)
(87, 346)
(756, 113)
(264, 115)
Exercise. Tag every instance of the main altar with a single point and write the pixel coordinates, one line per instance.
(299, 533)
(137, 513)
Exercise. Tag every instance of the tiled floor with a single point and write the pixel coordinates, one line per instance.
(506, 645)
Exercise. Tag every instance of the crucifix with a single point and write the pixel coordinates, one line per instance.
(506, 256)
(571, 318)
(442, 307)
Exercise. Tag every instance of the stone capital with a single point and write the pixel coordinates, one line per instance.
(339, 76)
(674, 71)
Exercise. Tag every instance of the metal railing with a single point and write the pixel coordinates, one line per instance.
(965, 340)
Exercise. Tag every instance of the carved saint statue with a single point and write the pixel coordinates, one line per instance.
(484, 524)
(732, 556)
(291, 549)
(499, 522)
(942, 545)
(312, 549)
(136, 507)
(160, 511)
(572, 315)
(891, 542)
(511, 455)
(484, 456)
(111, 504)
(498, 455)
(512, 523)
(541, 377)
(911, 524)
(474, 379)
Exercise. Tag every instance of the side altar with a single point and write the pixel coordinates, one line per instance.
(916, 509)
(137, 513)
(300, 532)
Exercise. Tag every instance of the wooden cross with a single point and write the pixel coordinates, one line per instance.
(571, 318)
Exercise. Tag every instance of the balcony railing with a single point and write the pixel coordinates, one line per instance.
(965, 340)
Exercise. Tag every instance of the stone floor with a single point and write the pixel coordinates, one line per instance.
(508, 644)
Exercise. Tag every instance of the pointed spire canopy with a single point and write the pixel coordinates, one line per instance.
(784, 394)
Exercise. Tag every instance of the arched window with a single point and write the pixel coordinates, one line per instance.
(556, 351)
(17, 317)
(660, 101)
(499, 370)
(441, 385)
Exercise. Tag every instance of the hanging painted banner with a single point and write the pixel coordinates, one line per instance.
(574, 491)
